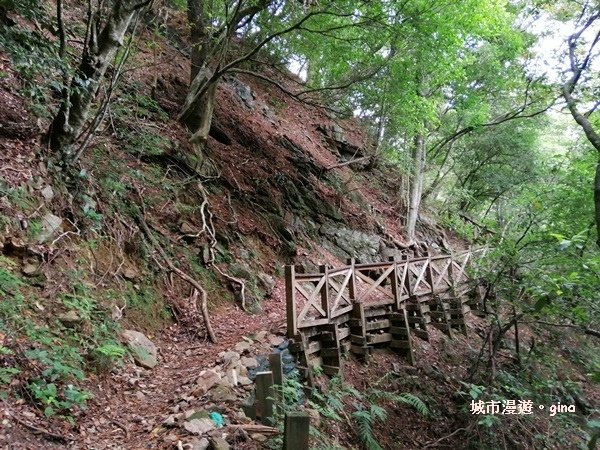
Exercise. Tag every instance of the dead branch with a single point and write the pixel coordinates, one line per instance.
(347, 163)
(253, 428)
(586, 330)
(40, 430)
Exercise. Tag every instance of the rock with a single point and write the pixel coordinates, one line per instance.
(276, 341)
(140, 395)
(344, 242)
(232, 377)
(238, 367)
(186, 228)
(260, 336)
(260, 438)
(315, 417)
(241, 270)
(205, 382)
(200, 414)
(169, 421)
(201, 444)
(413, 371)
(218, 443)
(70, 319)
(30, 270)
(266, 284)
(248, 408)
(51, 226)
(287, 368)
(242, 347)
(47, 193)
(199, 426)
(143, 349)
(223, 394)
(249, 363)
(244, 381)
(228, 357)
(130, 273)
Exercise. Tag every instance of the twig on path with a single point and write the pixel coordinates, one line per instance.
(40, 430)
(120, 425)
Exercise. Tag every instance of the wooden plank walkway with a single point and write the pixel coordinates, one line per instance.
(358, 306)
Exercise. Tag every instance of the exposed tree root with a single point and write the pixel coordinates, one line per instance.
(236, 280)
(198, 290)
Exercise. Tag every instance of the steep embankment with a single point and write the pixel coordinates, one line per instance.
(80, 261)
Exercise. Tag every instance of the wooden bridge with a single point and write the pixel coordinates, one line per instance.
(358, 306)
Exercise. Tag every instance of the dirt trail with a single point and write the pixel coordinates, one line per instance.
(131, 403)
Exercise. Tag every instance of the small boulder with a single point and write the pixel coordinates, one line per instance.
(206, 381)
(218, 443)
(223, 393)
(70, 319)
(51, 226)
(249, 363)
(199, 426)
(143, 349)
(201, 444)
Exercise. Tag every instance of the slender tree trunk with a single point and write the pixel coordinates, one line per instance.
(101, 48)
(416, 185)
(198, 35)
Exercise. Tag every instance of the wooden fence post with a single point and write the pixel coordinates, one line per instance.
(290, 295)
(265, 397)
(325, 292)
(296, 431)
(276, 367)
(394, 283)
(429, 273)
(352, 281)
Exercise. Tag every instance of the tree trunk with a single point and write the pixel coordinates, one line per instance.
(416, 186)
(73, 114)
(198, 35)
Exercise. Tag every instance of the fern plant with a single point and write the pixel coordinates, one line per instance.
(365, 419)
(408, 399)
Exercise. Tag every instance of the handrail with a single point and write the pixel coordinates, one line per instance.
(318, 298)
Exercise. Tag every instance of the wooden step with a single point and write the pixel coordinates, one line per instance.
(401, 331)
(380, 338)
(423, 334)
(330, 352)
(331, 370)
(358, 340)
(375, 312)
(385, 323)
(361, 350)
(400, 344)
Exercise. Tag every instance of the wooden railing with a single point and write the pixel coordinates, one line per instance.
(328, 296)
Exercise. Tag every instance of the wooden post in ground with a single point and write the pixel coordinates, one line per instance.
(276, 367)
(290, 294)
(296, 431)
(264, 397)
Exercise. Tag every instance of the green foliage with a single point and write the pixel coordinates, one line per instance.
(332, 403)
(33, 53)
(365, 420)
